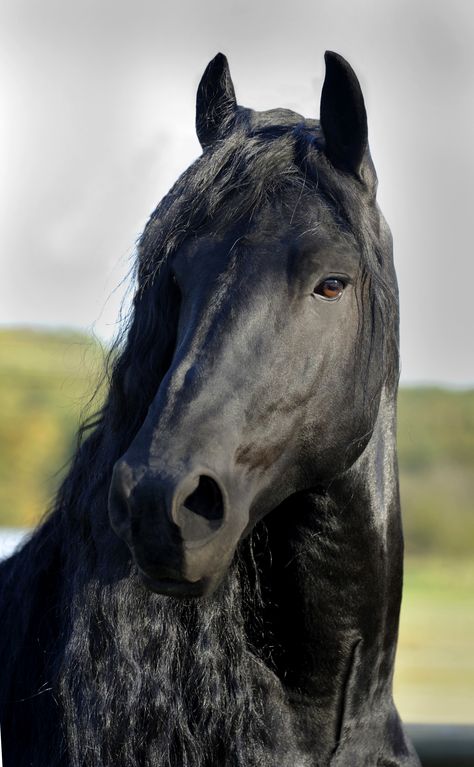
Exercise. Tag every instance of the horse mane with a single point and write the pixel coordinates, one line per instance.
(135, 663)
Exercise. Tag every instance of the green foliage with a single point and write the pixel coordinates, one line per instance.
(436, 456)
(436, 426)
(46, 382)
(47, 379)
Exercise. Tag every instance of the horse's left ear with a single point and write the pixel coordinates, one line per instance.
(216, 104)
(344, 119)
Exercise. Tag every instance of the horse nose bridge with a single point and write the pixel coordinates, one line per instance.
(210, 356)
(196, 414)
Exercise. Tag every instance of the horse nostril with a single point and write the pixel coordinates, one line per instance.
(206, 499)
(202, 511)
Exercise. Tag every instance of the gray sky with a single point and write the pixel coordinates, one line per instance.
(97, 120)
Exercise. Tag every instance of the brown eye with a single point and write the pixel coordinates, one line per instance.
(330, 289)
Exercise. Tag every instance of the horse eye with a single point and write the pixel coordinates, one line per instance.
(330, 289)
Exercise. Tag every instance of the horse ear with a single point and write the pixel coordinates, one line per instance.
(344, 119)
(216, 104)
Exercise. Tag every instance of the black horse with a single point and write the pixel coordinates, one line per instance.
(219, 582)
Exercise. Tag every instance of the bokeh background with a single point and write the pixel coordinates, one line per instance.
(97, 115)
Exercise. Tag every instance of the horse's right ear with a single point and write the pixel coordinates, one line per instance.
(215, 102)
(344, 120)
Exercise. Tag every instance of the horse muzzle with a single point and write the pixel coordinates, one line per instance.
(182, 528)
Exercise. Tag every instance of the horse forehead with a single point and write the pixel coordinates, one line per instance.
(266, 245)
(234, 255)
(277, 118)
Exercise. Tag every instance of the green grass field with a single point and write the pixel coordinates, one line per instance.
(46, 380)
(434, 677)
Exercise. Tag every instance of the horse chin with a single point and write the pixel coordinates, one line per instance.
(180, 588)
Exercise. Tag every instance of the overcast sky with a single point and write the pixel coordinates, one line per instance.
(97, 121)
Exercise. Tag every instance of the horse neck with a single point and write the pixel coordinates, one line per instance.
(334, 588)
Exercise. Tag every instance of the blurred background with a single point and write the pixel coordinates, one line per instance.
(97, 121)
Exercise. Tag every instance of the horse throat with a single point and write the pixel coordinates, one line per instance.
(333, 599)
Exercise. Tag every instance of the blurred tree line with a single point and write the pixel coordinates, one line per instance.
(46, 382)
(436, 459)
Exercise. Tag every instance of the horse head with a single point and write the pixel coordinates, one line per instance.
(276, 266)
